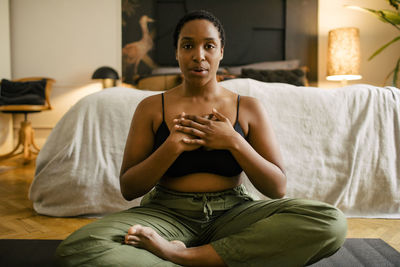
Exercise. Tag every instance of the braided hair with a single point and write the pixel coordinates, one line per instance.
(199, 14)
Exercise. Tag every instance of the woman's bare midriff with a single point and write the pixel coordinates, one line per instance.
(200, 182)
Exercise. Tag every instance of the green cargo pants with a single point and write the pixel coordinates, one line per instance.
(244, 232)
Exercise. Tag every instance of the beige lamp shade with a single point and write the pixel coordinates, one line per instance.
(344, 54)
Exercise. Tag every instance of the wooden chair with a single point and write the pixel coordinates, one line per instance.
(26, 132)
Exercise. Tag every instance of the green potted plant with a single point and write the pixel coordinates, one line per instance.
(391, 17)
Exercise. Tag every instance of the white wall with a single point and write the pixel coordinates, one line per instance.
(373, 34)
(6, 129)
(5, 66)
(66, 40)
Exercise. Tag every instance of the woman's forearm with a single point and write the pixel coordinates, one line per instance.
(267, 177)
(142, 177)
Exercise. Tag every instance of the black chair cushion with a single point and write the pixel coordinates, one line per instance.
(22, 93)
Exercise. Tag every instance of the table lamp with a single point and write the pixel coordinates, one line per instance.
(344, 55)
(108, 76)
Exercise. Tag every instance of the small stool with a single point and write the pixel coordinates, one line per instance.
(26, 139)
(26, 132)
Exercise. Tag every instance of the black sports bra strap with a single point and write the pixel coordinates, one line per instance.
(162, 101)
(237, 108)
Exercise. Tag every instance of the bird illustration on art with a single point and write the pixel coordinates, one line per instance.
(135, 52)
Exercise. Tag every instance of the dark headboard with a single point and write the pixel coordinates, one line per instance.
(256, 30)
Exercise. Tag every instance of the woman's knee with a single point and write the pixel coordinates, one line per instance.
(328, 221)
(337, 229)
(97, 251)
(331, 229)
(332, 221)
(90, 241)
(101, 243)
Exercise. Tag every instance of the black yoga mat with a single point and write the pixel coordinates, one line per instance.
(362, 252)
(355, 252)
(27, 252)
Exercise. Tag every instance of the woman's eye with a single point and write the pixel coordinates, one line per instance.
(187, 46)
(210, 46)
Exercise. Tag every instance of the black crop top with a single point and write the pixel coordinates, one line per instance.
(215, 161)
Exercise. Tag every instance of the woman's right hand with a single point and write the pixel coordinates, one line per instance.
(177, 137)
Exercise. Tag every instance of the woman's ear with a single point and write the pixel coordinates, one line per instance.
(222, 53)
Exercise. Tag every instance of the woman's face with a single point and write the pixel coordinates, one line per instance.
(199, 51)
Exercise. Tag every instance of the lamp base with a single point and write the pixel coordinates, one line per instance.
(109, 83)
(343, 78)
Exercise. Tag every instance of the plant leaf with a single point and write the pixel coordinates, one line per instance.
(393, 3)
(396, 73)
(387, 77)
(383, 47)
(387, 16)
(390, 16)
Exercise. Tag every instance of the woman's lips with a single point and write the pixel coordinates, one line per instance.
(199, 71)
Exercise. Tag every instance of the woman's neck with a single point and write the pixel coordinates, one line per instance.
(207, 90)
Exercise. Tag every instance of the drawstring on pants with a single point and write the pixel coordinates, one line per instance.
(207, 208)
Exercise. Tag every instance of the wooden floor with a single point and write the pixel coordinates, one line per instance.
(18, 220)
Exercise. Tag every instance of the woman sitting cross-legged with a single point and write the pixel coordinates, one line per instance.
(184, 153)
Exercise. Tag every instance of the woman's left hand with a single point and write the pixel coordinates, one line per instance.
(215, 133)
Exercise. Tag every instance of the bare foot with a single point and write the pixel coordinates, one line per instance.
(145, 237)
(175, 251)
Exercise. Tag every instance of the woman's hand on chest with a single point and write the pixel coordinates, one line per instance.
(214, 131)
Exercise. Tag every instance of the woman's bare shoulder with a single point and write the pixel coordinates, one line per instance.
(250, 103)
(247, 98)
(151, 100)
(252, 109)
(148, 113)
(149, 104)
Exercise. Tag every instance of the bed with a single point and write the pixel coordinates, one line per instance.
(340, 146)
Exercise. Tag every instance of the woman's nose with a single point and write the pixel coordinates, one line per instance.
(199, 55)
